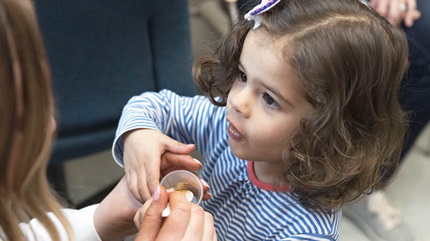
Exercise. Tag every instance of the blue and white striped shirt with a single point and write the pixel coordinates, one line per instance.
(243, 207)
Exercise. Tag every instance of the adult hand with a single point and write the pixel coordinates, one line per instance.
(397, 11)
(113, 218)
(187, 221)
(149, 154)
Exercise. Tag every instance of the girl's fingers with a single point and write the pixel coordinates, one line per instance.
(132, 182)
(149, 183)
(206, 188)
(177, 147)
(180, 160)
(206, 196)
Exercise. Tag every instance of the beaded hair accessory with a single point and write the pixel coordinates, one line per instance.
(254, 13)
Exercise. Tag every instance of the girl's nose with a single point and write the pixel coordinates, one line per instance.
(240, 101)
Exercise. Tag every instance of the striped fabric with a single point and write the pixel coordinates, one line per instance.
(242, 209)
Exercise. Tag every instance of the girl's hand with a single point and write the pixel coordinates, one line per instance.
(187, 221)
(395, 13)
(149, 154)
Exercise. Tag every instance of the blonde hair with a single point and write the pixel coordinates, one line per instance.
(26, 111)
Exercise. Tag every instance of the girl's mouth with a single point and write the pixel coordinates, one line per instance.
(233, 132)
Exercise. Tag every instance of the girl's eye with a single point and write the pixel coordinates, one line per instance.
(270, 101)
(242, 76)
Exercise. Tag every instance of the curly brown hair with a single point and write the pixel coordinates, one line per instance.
(350, 62)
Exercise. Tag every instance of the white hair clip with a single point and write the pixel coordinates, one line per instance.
(254, 13)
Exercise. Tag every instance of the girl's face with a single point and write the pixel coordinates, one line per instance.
(265, 104)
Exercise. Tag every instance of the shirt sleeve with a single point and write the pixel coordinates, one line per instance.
(185, 119)
(81, 222)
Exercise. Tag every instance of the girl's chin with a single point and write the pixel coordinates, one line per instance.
(237, 150)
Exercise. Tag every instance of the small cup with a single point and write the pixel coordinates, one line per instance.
(184, 180)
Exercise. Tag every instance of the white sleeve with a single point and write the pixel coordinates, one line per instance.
(81, 222)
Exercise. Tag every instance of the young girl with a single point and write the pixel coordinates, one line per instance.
(301, 116)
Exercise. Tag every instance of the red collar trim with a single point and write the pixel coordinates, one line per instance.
(264, 185)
